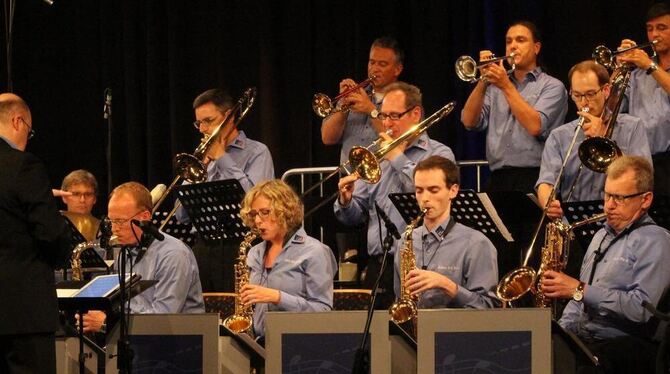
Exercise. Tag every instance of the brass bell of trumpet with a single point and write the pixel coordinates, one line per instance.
(607, 58)
(324, 106)
(468, 70)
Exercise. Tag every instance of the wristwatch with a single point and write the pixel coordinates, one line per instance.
(652, 68)
(578, 295)
(374, 114)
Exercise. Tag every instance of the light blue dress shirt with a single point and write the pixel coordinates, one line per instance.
(465, 256)
(647, 100)
(507, 141)
(397, 176)
(303, 272)
(246, 160)
(173, 265)
(629, 135)
(634, 269)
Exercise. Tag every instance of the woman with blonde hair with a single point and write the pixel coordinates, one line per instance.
(289, 270)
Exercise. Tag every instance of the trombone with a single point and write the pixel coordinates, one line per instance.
(191, 167)
(468, 70)
(324, 106)
(365, 162)
(605, 57)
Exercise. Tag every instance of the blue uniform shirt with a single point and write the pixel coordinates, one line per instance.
(634, 269)
(629, 135)
(397, 176)
(647, 100)
(303, 272)
(173, 265)
(465, 256)
(507, 141)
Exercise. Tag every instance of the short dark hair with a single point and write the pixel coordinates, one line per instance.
(452, 173)
(590, 65)
(390, 43)
(413, 96)
(217, 96)
(657, 10)
(534, 30)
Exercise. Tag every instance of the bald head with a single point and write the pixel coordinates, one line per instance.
(15, 119)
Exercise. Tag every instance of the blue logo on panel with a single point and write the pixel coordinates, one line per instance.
(319, 353)
(483, 352)
(166, 353)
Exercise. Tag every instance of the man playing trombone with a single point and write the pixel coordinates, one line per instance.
(360, 125)
(518, 110)
(624, 266)
(589, 88)
(232, 156)
(357, 200)
(648, 93)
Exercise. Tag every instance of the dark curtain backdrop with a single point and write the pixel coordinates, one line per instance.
(158, 55)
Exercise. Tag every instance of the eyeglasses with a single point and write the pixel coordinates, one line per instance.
(620, 199)
(31, 132)
(589, 95)
(393, 115)
(205, 121)
(85, 195)
(121, 221)
(263, 213)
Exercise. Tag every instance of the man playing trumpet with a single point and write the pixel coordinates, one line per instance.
(518, 111)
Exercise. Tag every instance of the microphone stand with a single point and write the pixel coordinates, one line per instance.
(124, 354)
(107, 114)
(362, 357)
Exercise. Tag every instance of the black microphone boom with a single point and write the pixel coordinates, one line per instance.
(390, 226)
(148, 228)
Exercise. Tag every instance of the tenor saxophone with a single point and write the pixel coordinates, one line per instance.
(75, 260)
(405, 308)
(242, 320)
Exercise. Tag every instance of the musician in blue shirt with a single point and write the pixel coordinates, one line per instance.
(169, 261)
(289, 270)
(457, 266)
(357, 200)
(648, 94)
(625, 265)
(518, 111)
(590, 89)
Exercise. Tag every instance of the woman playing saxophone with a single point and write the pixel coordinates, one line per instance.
(288, 270)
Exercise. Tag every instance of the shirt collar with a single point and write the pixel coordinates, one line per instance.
(532, 75)
(438, 231)
(240, 141)
(643, 218)
(421, 142)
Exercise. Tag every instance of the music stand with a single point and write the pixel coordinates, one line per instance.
(469, 208)
(214, 208)
(580, 210)
(173, 227)
(660, 210)
(255, 351)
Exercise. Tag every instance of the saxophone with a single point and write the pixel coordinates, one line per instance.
(405, 308)
(75, 260)
(242, 320)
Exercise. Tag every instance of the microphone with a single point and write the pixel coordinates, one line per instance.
(157, 192)
(107, 109)
(148, 228)
(390, 227)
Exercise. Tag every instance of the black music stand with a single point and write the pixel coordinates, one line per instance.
(81, 305)
(569, 351)
(660, 210)
(181, 231)
(469, 208)
(580, 210)
(214, 208)
(255, 351)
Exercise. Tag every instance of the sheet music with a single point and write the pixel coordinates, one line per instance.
(491, 210)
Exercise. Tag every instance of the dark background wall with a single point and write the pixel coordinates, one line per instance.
(157, 55)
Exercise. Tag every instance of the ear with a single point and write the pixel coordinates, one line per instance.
(607, 89)
(397, 70)
(537, 47)
(646, 200)
(145, 216)
(453, 191)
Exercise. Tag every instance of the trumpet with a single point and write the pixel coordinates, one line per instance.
(468, 70)
(324, 106)
(191, 167)
(605, 57)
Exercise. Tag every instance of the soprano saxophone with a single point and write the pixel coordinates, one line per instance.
(405, 308)
(242, 320)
